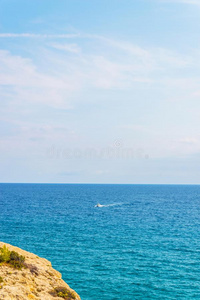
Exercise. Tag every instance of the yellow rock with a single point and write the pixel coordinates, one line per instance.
(31, 296)
(38, 281)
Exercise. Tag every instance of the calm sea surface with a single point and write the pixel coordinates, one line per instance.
(143, 244)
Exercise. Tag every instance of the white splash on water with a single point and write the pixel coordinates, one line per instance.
(108, 205)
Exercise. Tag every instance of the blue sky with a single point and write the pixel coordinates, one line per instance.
(100, 91)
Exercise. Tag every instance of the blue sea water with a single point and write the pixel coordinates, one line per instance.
(143, 244)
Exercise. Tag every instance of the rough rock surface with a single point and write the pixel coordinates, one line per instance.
(38, 281)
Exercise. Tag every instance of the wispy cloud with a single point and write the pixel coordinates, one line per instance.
(74, 48)
(34, 35)
(191, 2)
(27, 83)
(189, 141)
(53, 77)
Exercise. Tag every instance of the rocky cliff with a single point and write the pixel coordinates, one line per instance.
(24, 276)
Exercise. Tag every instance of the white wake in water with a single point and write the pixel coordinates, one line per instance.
(108, 205)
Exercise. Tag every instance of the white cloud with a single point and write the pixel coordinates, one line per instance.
(34, 35)
(67, 47)
(28, 84)
(57, 76)
(190, 141)
(53, 77)
(191, 2)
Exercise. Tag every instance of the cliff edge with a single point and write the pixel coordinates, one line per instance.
(24, 276)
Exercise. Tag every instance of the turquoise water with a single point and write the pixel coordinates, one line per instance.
(143, 244)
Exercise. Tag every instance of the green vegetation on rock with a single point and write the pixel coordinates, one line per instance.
(11, 258)
(63, 293)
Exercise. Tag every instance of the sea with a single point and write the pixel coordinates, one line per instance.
(143, 243)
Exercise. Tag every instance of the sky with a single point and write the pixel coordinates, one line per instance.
(100, 91)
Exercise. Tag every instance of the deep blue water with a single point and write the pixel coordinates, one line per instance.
(144, 244)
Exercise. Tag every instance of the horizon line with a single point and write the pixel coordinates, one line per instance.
(82, 183)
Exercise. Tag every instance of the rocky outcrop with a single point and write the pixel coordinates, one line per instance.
(36, 280)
